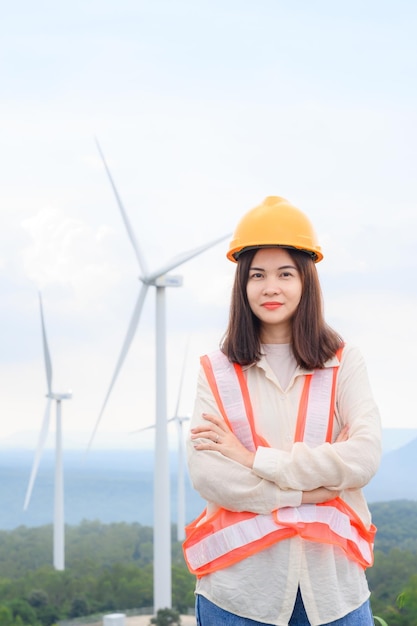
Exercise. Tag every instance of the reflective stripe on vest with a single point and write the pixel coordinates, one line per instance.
(228, 537)
(315, 414)
(229, 388)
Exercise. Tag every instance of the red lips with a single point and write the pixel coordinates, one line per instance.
(271, 306)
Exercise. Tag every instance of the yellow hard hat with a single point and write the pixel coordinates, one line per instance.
(275, 222)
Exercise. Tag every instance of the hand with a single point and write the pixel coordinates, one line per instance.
(321, 494)
(217, 436)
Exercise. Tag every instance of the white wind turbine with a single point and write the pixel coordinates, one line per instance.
(59, 550)
(160, 279)
(179, 421)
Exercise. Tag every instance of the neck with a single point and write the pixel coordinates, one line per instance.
(273, 334)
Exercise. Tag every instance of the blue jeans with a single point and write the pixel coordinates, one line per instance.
(208, 614)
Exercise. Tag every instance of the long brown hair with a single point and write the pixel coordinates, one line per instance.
(313, 341)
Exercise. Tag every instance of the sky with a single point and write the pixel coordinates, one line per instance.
(202, 109)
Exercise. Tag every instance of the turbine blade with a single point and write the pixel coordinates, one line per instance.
(182, 378)
(123, 353)
(140, 430)
(38, 454)
(46, 354)
(182, 258)
(125, 218)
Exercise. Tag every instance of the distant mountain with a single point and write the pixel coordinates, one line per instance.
(396, 477)
(108, 485)
(394, 438)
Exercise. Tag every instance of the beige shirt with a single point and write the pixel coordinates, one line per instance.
(263, 587)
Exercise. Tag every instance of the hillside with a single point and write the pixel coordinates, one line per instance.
(395, 479)
(109, 486)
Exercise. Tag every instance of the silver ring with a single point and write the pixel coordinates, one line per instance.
(217, 438)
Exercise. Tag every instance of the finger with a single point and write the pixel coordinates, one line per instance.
(212, 435)
(203, 429)
(208, 444)
(214, 419)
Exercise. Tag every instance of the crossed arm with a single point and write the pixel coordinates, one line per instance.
(214, 434)
(226, 473)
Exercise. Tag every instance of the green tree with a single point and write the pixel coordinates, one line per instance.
(407, 601)
(21, 608)
(6, 616)
(387, 579)
(38, 598)
(49, 615)
(166, 617)
(79, 607)
(183, 586)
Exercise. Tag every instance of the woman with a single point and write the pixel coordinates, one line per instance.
(285, 434)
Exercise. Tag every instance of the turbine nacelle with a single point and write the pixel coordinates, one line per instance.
(166, 280)
(59, 396)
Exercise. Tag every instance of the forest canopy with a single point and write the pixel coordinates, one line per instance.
(109, 567)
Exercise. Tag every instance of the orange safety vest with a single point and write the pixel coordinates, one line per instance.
(226, 537)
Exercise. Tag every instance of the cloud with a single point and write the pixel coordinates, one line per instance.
(66, 253)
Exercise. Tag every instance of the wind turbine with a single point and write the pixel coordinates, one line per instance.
(179, 420)
(58, 553)
(160, 279)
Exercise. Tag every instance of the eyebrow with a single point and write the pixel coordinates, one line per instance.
(282, 267)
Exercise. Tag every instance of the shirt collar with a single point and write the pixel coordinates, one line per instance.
(300, 371)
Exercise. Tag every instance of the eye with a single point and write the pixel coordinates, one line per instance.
(255, 275)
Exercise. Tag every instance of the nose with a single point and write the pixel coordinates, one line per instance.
(271, 287)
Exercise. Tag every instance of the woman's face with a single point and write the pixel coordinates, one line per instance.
(274, 291)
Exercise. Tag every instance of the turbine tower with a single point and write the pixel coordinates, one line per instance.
(59, 547)
(179, 420)
(160, 279)
(180, 477)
